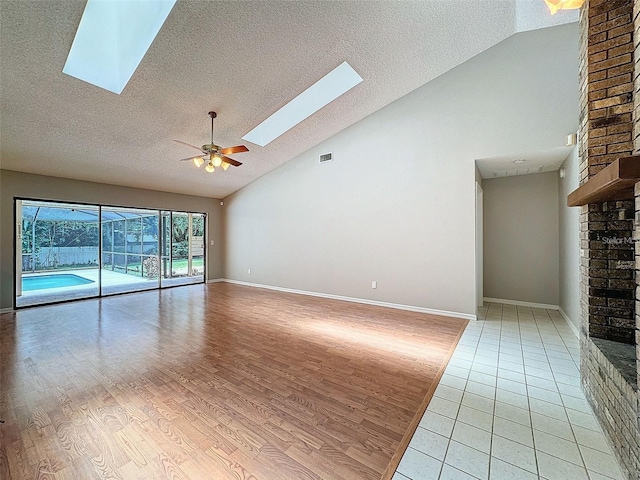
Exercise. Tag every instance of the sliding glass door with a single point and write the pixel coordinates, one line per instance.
(57, 252)
(183, 252)
(130, 246)
(68, 251)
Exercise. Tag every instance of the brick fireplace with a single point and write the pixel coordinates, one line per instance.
(609, 196)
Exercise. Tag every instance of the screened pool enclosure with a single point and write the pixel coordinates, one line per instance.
(67, 251)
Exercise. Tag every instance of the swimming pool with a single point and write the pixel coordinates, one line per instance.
(42, 282)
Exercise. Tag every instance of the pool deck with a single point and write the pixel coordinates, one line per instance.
(112, 283)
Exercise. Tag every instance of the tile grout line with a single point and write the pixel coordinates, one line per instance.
(571, 425)
(493, 420)
(444, 459)
(533, 437)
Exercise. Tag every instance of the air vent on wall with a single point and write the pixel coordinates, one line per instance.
(326, 157)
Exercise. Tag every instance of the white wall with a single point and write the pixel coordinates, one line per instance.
(569, 217)
(521, 246)
(397, 205)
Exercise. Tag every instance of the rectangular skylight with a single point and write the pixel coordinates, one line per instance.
(112, 38)
(321, 93)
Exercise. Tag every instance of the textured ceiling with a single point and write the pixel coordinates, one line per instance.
(243, 59)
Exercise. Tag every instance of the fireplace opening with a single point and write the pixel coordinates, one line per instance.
(612, 284)
(610, 230)
(612, 271)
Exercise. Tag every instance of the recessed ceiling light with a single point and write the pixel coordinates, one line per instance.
(112, 38)
(519, 161)
(324, 91)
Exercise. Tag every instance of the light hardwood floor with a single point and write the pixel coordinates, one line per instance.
(214, 382)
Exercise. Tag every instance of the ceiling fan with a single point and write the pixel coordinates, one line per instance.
(217, 157)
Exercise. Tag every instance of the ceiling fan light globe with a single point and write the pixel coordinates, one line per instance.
(217, 161)
(225, 165)
(198, 161)
(209, 168)
(556, 5)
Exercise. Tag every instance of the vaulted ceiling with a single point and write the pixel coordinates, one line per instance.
(243, 59)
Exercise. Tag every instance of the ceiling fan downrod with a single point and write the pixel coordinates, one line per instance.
(212, 115)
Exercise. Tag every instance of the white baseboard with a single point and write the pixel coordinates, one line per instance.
(573, 328)
(522, 304)
(215, 280)
(398, 306)
(6, 310)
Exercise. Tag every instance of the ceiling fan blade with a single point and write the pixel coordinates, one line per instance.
(189, 145)
(232, 150)
(231, 161)
(189, 158)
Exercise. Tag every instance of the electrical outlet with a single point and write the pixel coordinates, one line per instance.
(213, 242)
(249, 271)
(374, 284)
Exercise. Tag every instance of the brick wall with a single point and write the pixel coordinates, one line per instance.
(610, 68)
(609, 128)
(636, 142)
(636, 78)
(606, 133)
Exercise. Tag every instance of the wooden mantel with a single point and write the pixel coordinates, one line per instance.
(614, 182)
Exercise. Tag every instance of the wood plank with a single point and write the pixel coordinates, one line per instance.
(215, 381)
(614, 182)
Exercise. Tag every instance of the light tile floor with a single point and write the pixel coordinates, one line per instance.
(510, 406)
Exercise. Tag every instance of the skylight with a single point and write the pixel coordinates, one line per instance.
(112, 38)
(321, 93)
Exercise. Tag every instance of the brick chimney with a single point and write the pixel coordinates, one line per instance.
(610, 230)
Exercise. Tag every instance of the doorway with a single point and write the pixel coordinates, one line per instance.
(479, 246)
